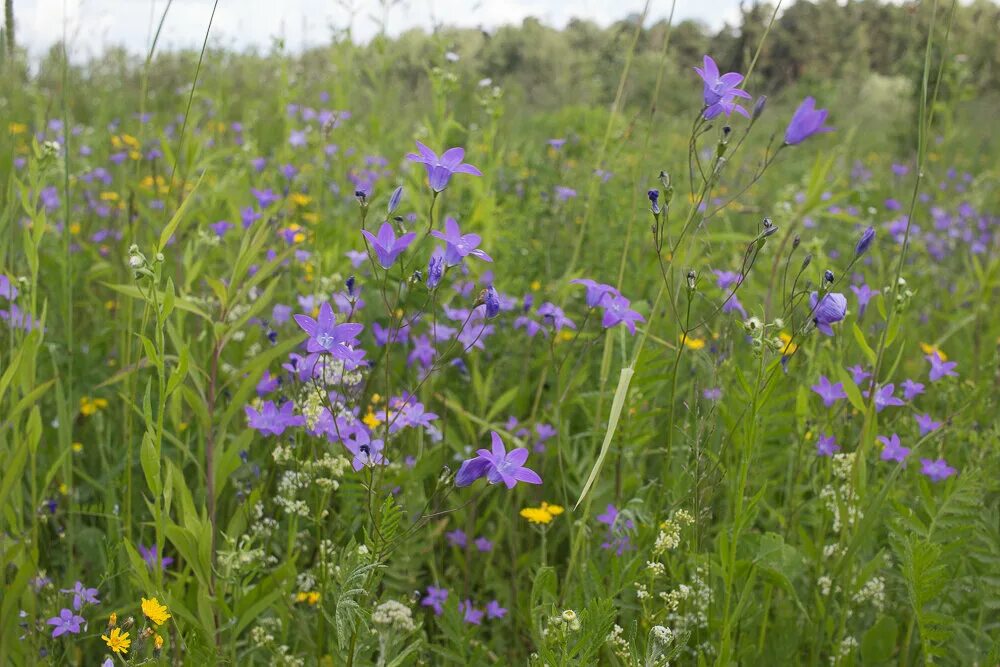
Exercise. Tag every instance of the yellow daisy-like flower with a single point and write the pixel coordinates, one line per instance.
(158, 643)
(17, 128)
(299, 199)
(544, 513)
(536, 515)
(370, 420)
(933, 349)
(118, 641)
(155, 611)
(789, 347)
(112, 620)
(693, 343)
(535, 286)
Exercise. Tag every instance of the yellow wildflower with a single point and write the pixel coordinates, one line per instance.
(693, 343)
(299, 199)
(536, 285)
(311, 217)
(17, 128)
(933, 349)
(118, 641)
(158, 643)
(89, 406)
(155, 611)
(74, 228)
(109, 196)
(544, 513)
(790, 347)
(112, 620)
(370, 420)
(312, 597)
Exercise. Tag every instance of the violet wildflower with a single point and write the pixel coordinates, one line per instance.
(911, 389)
(926, 424)
(939, 367)
(617, 311)
(497, 466)
(367, 452)
(865, 242)
(489, 298)
(151, 555)
(272, 420)
(483, 544)
(858, 374)
(435, 599)
(806, 121)
(82, 595)
(938, 470)
(494, 610)
(554, 314)
(458, 246)
(325, 335)
(884, 397)
(829, 392)
(826, 445)
(470, 614)
(892, 450)
(441, 168)
(65, 622)
(596, 292)
(712, 394)
(394, 199)
(387, 246)
(826, 311)
(719, 91)
(456, 538)
(654, 201)
(864, 294)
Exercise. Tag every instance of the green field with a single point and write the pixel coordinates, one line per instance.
(628, 376)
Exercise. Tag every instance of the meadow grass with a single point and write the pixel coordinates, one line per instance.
(235, 429)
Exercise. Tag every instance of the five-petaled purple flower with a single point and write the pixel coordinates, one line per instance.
(151, 555)
(387, 246)
(498, 465)
(939, 367)
(884, 397)
(469, 613)
(912, 389)
(441, 168)
(596, 292)
(65, 622)
(826, 445)
(272, 420)
(828, 310)
(806, 121)
(892, 450)
(617, 311)
(325, 335)
(435, 599)
(720, 91)
(829, 392)
(926, 424)
(82, 595)
(938, 470)
(458, 246)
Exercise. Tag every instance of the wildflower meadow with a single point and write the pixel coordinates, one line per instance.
(628, 346)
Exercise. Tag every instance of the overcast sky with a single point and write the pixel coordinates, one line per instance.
(93, 25)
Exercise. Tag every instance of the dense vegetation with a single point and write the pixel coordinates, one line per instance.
(630, 375)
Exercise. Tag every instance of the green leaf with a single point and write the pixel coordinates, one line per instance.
(178, 216)
(150, 461)
(616, 411)
(865, 347)
(879, 642)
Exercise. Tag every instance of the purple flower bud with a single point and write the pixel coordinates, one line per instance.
(394, 200)
(492, 301)
(654, 201)
(758, 107)
(865, 242)
(435, 268)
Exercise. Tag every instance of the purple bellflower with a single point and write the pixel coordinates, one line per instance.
(720, 91)
(387, 246)
(441, 168)
(806, 121)
(892, 450)
(938, 470)
(829, 392)
(497, 466)
(826, 311)
(458, 246)
(325, 335)
(65, 622)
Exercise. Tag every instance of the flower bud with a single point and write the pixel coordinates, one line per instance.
(394, 200)
(865, 242)
(828, 276)
(758, 107)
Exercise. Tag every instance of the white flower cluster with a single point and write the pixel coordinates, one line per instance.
(844, 495)
(669, 536)
(395, 616)
(872, 592)
(619, 645)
